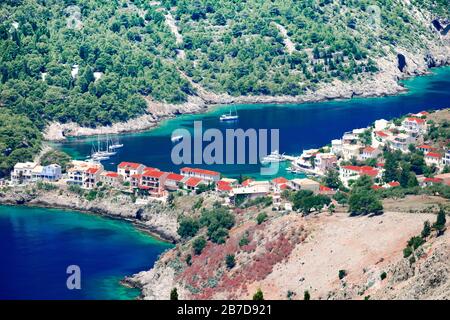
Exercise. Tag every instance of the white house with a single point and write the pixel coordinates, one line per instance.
(85, 174)
(22, 172)
(349, 173)
(304, 184)
(433, 158)
(49, 173)
(414, 126)
(128, 169)
(350, 151)
(324, 162)
(207, 175)
(370, 153)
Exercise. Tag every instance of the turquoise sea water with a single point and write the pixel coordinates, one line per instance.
(301, 126)
(37, 245)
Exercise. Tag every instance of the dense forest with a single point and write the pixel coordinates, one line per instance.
(94, 62)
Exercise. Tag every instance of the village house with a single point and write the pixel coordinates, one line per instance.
(111, 178)
(153, 182)
(426, 148)
(433, 159)
(428, 182)
(351, 151)
(402, 142)
(414, 126)
(22, 172)
(304, 184)
(83, 173)
(353, 173)
(324, 162)
(129, 169)
(50, 173)
(224, 187)
(380, 138)
(370, 153)
(279, 184)
(193, 183)
(174, 181)
(336, 147)
(206, 175)
(254, 189)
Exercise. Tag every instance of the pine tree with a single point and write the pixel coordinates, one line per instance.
(174, 294)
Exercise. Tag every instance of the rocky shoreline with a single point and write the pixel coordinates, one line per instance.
(384, 83)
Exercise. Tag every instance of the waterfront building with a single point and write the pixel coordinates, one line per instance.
(324, 162)
(84, 174)
(193, 183)
(153, 182)
(50, 173)
(174, 181)
(111, 178)
(22, 172)
(128, 169)
(206, 175)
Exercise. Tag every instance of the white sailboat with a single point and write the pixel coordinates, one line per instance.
(230, 116)
(115, 145)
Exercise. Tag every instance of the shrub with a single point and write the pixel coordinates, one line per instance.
(439, 225)
(188, 227)
(383, 275)
(189, 259)
(174, 294)
(230, 261)
(198, 245)
(258, 296)
(306, 295)
(407, 252)
(342, 274)
(244, 240)
(426, 231)
(363, 202)
(45, 186)
(415, 242)
(261, 217)
(218, 221)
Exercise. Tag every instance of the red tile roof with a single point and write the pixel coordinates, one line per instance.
(175, 177)
(380, 164)
(153, 174)
(416, 120)
(193, 182)
(92, 170)
(364, 170)
(129, 165)
(433, 155)
(394, 184)
(433, 180)
(381, 134)
(425, 146)
(369, 149)
(112, 174)
(377, 187)
(199, 171)
(325, 188)
(247, 182)
(223, 186)
(280, 180)
(284, 186)
(136, 176)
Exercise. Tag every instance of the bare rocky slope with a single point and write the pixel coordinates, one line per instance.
(289, 254)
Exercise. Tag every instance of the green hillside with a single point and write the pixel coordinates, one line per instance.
(94, 61)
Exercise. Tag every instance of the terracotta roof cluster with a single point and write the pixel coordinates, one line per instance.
(129, 165)
(364, 170)
(416, 120)
(193, 182)
(223, 186)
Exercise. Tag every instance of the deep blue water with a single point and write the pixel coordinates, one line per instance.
(301, 126)
(37, 245)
